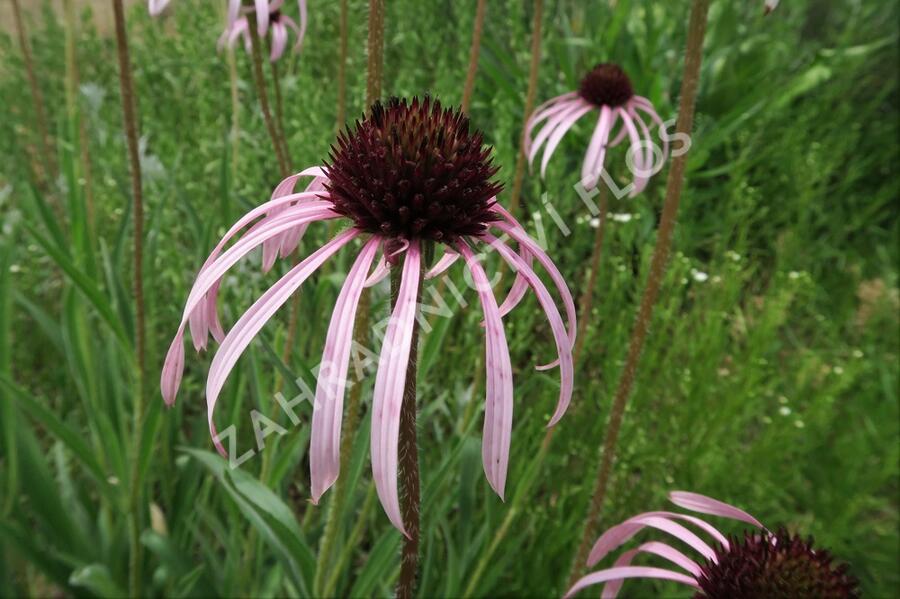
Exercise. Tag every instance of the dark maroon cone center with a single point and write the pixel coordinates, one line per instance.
(775, 566)
(413, 170)
(606, 85)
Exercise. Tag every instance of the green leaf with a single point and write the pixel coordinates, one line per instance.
(97, 579)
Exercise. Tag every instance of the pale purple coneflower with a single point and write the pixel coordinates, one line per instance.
(607, 90)
(269, 19)
(410, 175)
(762, 563)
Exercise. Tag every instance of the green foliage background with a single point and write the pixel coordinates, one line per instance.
(772, 384)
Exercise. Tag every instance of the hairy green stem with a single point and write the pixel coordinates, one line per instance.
(674, 185)
(473, 55)
(530, 95)
(352, 542)
(129, 116)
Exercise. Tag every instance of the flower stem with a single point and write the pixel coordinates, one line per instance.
(408, 451)
(260, 81)
(375, 71)
(279, 114)
(674, 184)
(235, 133)
(587, 296)
(342, 69)
(37, 99)
(530, 96)
(473, 55)
(129, 115)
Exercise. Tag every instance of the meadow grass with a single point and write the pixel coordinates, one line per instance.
(769, 378)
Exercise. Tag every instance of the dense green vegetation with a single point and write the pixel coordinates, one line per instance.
(769, 378)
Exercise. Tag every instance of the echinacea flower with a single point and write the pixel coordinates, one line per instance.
(269, 19)
(408, 176)
(606, 90)
(774, 565)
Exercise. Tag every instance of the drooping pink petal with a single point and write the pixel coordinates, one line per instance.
(593, 158)
(553, 122)
(234, 9)
(300, 30)
(707, 505)
(380, 271)
(328, 409)
(629, 572)
(650, 166)
(558, 134)
(155, 7)
(515, 230)
(644, 105)
(498, 409)
(262, 16)
(232, 33)
(390, 381)
(637, 152)
(519, 287)
(542, 113)
(209, 277)
(173, 368)
(563, 346)
(250, 323)
(441, 266)
(620, 533)
(279, 41)
(611, 589)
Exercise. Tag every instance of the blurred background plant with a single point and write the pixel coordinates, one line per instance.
(769, 378)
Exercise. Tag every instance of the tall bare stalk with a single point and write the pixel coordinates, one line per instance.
(37, 99)
(342, 69)
(674, 185)
(261, 90)
(474, 50)
(530, 96)
(129, 116)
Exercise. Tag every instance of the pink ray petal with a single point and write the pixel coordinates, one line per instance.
(620, 533)
(629, 572)
(328, 409)
(208, 279)
(519, 287)
(441, 266)
(279, 41)
(380, 271)
(252, 321)
(498, 409)
(644, 105)
(558, 134)
(390, 381)
(543, 112)
(597, 146)
(707, 505)
(650, 166)
(234, 9)
(637, 152)
(173, 368)
(155, 7)
(563, 346)
(611, 590)
(554, 122)
(515, 230)
(262, 17)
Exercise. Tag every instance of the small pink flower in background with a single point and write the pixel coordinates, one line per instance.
(774, 565)
(770, 6)
(409, 175)
(606, 90)
(155, 7)
(269, 19)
